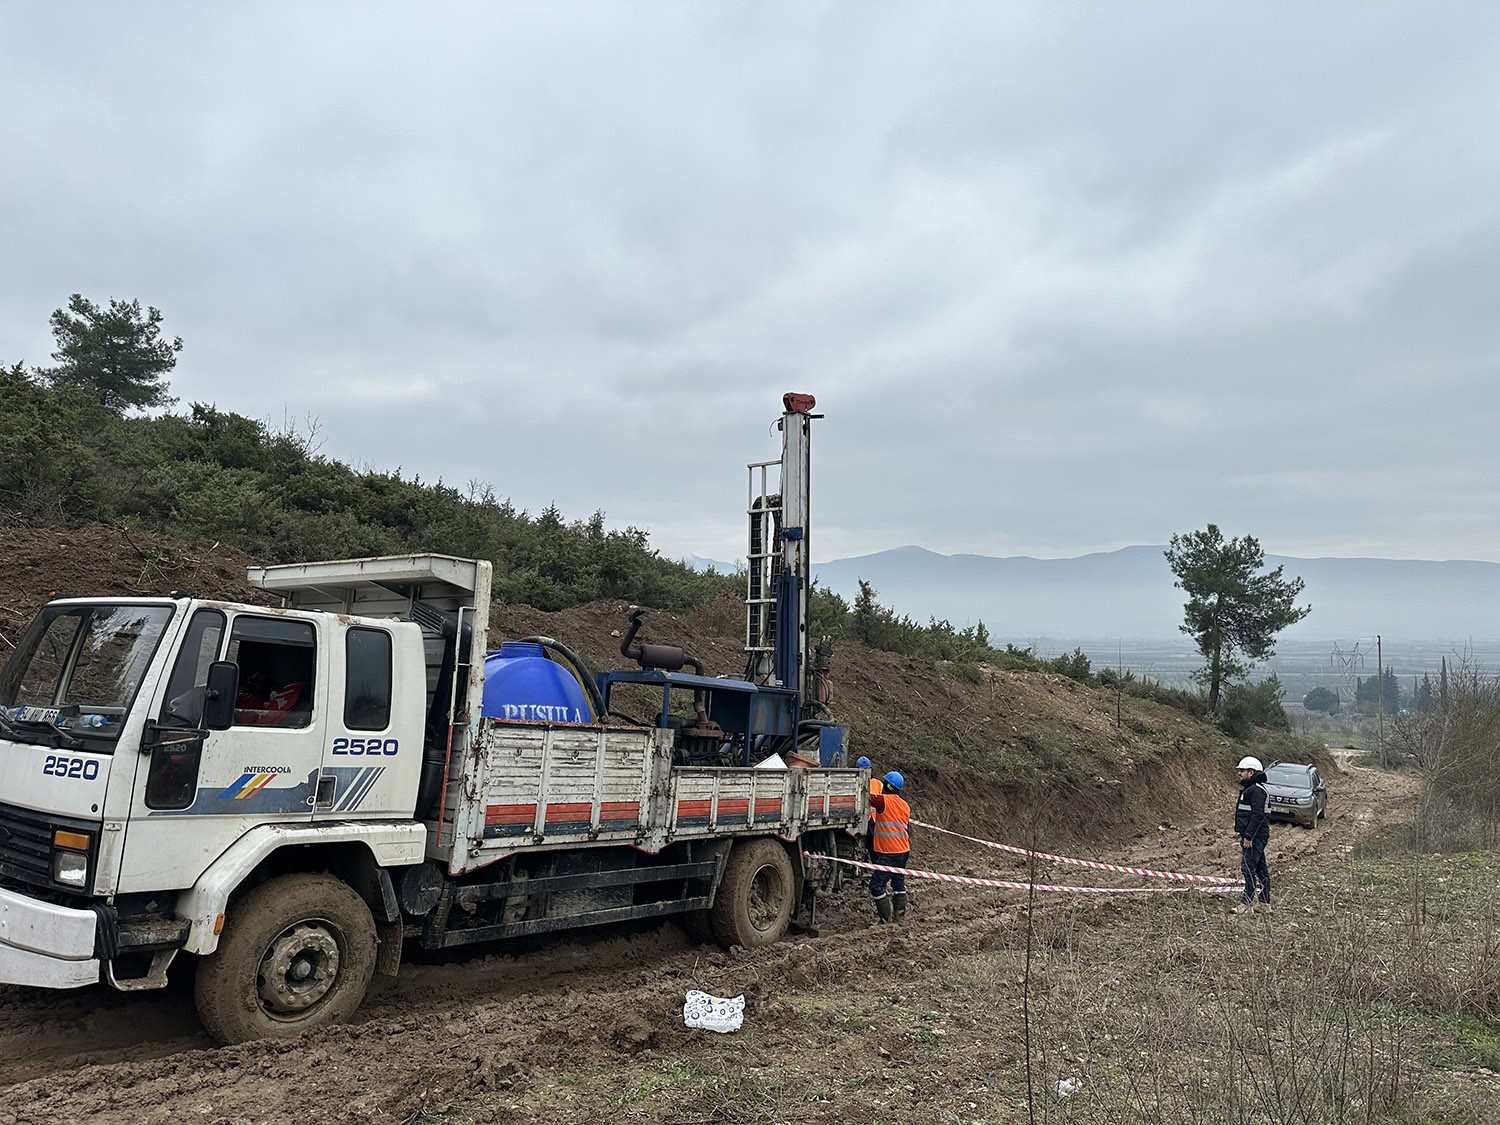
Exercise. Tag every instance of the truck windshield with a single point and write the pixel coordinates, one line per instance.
(76, 671)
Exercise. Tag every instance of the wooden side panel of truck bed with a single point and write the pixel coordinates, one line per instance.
(535, 785)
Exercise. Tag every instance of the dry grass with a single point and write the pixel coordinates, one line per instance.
(1371, 993)
(1338, 1006)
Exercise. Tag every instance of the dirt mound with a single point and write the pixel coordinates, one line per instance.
(108, 561)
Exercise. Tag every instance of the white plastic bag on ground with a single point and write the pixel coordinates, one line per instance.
(713, 1012)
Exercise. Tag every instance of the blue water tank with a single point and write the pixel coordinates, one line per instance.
(521, 683)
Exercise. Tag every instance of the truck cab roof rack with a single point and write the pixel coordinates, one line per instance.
(375, 586)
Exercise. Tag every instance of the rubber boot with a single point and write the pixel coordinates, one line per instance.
(898, 905)
(883, 908)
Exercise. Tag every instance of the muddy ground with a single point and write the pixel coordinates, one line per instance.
(511, 1036)
(857, 1022)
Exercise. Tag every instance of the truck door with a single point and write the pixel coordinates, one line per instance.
(197, 791)
(373, 749)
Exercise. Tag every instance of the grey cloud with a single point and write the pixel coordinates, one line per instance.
(1065, 277)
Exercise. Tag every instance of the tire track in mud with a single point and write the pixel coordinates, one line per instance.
(450, 1029)
(41, 1031)
(479, 1022)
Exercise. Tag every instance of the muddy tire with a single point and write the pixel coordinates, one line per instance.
(756, 897)
(297, 953)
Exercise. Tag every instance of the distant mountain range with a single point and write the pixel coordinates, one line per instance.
(1129, 594)
(701, 564)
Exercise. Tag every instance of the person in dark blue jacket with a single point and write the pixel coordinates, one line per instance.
(1253, 827)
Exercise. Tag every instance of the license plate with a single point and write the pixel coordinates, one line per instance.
(34, 714)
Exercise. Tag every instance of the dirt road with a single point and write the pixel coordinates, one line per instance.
(570, 1011)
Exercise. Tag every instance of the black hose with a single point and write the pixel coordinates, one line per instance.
(580, 669)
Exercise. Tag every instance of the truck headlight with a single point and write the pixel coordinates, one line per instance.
(70, 868)
(70, 860)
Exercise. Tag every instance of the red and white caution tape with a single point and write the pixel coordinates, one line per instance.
(1217, 880)
(1007, 884)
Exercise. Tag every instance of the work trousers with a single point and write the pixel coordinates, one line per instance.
(878, 879)
(1253, 867)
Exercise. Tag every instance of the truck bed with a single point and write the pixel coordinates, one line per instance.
(525, 785)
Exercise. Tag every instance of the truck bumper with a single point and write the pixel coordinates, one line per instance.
(46, 946)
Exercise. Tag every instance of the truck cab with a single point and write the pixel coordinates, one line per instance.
(142, 740)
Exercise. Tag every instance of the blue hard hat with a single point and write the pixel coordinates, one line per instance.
(895, 781)
(863, 763)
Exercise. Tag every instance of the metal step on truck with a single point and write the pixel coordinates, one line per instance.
(290, 795)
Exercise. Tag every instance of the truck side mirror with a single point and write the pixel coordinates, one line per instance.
(223, 688)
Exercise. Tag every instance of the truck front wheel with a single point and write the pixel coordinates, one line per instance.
(756, 896)
(298, 952)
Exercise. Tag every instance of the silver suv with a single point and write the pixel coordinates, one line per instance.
(1295, 792)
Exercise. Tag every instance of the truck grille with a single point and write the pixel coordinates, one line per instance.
(26, 845)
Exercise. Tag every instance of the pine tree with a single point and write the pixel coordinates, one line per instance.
(1232, 612)
(117, 353)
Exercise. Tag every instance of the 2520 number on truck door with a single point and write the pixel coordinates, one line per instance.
(366, 746)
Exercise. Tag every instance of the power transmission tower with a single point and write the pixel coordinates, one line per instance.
(1346, 665)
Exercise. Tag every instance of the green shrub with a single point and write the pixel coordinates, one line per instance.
(1074, 665)
(1321, 699)
(1247, 706)
(1194, 703)
(968, 672)
(215, 475)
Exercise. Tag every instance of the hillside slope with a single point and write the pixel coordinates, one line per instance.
(104, 561)
(975, 753)
(978, 750)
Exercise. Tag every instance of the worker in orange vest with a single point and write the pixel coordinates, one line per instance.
(890, 839)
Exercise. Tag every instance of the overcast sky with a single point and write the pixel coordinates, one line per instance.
(1064, 277)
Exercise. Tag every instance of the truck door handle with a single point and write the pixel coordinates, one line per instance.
(327, 784)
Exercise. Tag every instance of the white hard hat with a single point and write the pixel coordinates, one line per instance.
(1250, 764)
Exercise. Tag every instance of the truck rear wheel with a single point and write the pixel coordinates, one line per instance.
(757, 895)
(298, 952)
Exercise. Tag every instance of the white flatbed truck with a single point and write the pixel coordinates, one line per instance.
(290, 794)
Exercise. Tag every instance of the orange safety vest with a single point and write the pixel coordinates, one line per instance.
(888, 833)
